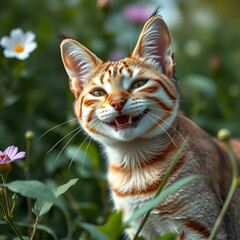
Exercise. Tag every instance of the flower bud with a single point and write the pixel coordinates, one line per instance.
(5, 169)
(224, 134)
(14, 197)
(29, 135)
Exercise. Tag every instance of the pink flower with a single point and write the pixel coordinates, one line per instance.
(138, 13)
(10, 154)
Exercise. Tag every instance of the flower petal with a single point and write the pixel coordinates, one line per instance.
(29, 37)
(18, 156)
(9, 53)
(7, 150)
(22, 56)
(11, 151)
(30, 47)
(6, 42)
(16, 33)
(17, 36)
(7, 160)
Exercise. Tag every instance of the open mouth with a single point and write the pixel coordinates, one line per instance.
(126, 121)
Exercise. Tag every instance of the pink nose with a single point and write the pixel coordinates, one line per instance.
(118, 104)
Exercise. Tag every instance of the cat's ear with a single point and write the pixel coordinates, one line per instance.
(155, 44)
(79, 63)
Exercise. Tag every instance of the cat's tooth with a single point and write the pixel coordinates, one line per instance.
(130, 120)
(115, 120)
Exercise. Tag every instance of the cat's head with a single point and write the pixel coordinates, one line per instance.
(136, 97)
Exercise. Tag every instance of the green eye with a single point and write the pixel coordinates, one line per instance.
(139, 84)
(98, 93)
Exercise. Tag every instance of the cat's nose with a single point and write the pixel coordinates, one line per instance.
(118, 104)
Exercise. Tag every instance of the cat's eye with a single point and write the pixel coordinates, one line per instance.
(139, 84)
(98, 93)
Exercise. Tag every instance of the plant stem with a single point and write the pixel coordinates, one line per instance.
(13, 86)
(13, 206)
(142, 224)
(9, 220)
(28, 137)
(6, 196)
(34, 228)
(3, 212)
(235, 183)
(161, 186)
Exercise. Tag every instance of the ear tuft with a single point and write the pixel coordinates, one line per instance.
(156, 12)
(61, 37)
(79, 63)
(155, 44)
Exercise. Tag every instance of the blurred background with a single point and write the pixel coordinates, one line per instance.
(34, 93)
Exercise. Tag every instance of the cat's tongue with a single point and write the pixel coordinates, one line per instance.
(122, 120)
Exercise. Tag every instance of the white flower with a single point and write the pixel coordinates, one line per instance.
(19, 45)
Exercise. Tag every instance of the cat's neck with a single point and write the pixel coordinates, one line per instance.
(135, 153)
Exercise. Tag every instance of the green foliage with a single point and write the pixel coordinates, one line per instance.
(112, 230)
(43, 205)
(32, 189)
(34, 95)
(169, 236)
(165, 193)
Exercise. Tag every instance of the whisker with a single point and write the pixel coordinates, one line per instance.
(164, 101)
(77, 151)
(179, 115)
(57, 127)
(97, 125)
(99, 122)
(68, 143)
(85, 153)
(173, 129)
(164, 131)
(62, 140)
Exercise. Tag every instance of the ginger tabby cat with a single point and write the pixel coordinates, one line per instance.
(131, 107)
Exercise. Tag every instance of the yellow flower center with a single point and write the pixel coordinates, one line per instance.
(3, 156)
(19, 48)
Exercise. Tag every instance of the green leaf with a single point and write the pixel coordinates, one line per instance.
(31, 189)
(168, 236)
(4, 237)
(24, 238)
(162, 196)
(63, 188)
(201, 83)
(41, 206)
(11, 100)
(114, 222)
(112, 230)
(96, 234)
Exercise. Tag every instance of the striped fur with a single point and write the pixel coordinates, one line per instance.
(132, 108)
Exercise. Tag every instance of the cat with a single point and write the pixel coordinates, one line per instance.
(131, 107)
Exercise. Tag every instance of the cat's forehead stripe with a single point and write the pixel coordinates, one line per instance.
(114, 69)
